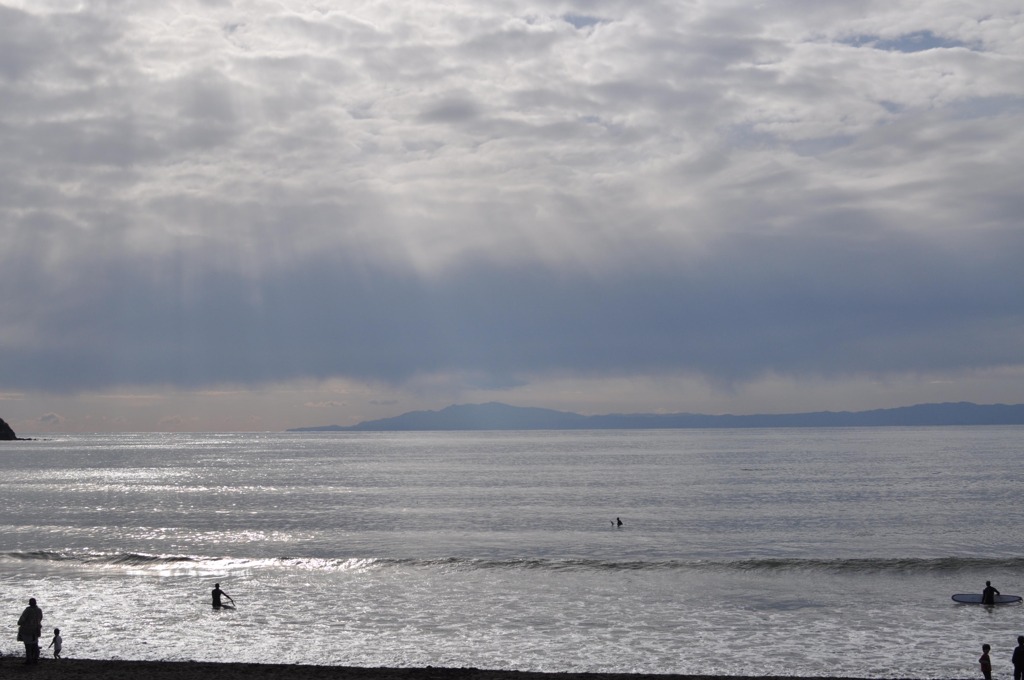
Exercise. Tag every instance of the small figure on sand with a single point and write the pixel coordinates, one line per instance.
(57, 642)
(30, 627)
(217, 594)
(1018, 659)
(986, 662)
(988, 595)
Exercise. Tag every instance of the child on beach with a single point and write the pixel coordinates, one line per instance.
(57, 642)
(986, 662)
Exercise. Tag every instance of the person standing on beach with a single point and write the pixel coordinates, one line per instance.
(30, 627)
(1018, 659)
(217, 593)
(986, 662)
(57, 642)
(988, 595)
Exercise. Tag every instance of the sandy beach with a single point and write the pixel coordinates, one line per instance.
(87, 669)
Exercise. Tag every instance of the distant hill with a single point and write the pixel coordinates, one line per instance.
(495, 416)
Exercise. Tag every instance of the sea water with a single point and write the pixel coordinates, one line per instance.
(816, 552)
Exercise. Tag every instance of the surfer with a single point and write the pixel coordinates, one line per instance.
(217, 593)
(618, 522)
(988, 595)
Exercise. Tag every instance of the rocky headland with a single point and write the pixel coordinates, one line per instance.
(6, 433)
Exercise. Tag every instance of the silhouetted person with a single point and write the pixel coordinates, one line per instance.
(986, 662)
(57, 642)
(1018, 659)
(988, 595)
(30, 627)
(618, 522)
(217, 593)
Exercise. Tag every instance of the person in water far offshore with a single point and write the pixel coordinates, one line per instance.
(988, 595)
(217, 594)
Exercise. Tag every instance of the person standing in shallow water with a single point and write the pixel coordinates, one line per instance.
(988, 595)
(217, 594)
(1018, 659)
(30, 627)
(986, 662)
(57, 642)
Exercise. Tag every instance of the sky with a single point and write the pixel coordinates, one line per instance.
(251, 215)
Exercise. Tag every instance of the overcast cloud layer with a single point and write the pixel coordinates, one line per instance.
(495, 194)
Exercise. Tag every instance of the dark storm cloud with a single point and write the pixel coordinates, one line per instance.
(836, 306)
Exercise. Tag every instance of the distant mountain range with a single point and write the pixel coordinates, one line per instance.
(495, 416)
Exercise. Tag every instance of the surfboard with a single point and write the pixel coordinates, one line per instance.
(975, 598)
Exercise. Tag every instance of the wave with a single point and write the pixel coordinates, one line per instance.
(124, 559)
(767, 565)
(866, 565)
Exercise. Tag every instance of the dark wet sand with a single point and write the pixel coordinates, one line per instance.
(88, 669)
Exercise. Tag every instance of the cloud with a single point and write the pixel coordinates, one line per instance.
(917, 41)
(194, 195)
(50, 420)
(325, 404)
(174, 422)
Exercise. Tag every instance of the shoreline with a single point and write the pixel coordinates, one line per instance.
(102, 669)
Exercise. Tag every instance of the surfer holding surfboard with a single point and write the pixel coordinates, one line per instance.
(989, 596)
(217, 594)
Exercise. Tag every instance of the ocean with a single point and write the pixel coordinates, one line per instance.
(814, 552)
